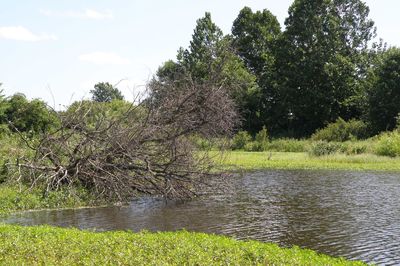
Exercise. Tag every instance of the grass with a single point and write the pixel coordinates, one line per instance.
(44, 245)
(234, 160)
(13, 198)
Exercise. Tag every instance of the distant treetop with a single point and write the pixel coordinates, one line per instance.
(105, 92)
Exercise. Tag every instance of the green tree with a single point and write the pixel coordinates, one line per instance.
(105, 92)
(322, 62)
(384, 95)
(29, 116)
(255, 35)
(209, 56)
(204, 48)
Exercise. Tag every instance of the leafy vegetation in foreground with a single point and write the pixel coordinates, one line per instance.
(299, 160)
(56, 246)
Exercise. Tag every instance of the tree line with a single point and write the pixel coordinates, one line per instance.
(323, 66)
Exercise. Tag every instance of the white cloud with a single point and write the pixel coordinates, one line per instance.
(85, 14)
(102, 58)
(20, 33)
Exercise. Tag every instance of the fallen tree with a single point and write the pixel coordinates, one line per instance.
(147, 148)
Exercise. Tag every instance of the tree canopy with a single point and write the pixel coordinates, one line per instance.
(384, 95)
(105, 92)
(320, 60)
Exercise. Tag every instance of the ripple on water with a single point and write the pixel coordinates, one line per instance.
(350, 214)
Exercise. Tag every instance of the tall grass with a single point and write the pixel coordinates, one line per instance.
(235, 160)
(15, 198)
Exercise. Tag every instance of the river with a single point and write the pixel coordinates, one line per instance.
(340, 213)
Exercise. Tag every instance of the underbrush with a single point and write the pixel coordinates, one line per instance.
(14, 198)
(388, 144)
(55, 246)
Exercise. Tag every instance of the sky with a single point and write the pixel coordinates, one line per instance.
(58, 50)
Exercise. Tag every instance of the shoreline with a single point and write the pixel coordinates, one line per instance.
(70, 246)
(256, 161)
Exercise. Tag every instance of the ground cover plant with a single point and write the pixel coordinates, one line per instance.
(48, 245)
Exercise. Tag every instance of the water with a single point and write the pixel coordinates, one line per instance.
(351, 214)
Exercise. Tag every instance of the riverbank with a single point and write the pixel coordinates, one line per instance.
(240, 160)
(48, 245)
(15, 198)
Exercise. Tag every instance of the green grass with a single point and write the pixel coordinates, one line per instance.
(44, 245)
(12, 199)
(290, 160)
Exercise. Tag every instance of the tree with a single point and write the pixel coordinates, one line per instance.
(255, 36)
(147, 149)
(254, 39)
(204, 48)
(29, 116)
(211, 52)
(105, 92)
(321, 62)
(384, 95)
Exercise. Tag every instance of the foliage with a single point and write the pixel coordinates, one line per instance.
(58, 246)
(321, 65)
(384, 96)
(96, 111)
(29, 116)
(321, 148)
(105, 92)
(388, 144)
(262, 137)
(14, 198)
(211, 52)
(254, 38)
(288, 145)
(240, 140)
(342, 131)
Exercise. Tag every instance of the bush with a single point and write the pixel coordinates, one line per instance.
(388, 144)
(289, 145)
(240, 140)
(262, 139)
(30, 117)
(351, 148)
(321, 148)
(342, 131)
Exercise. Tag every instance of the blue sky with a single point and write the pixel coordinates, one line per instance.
(57, 50)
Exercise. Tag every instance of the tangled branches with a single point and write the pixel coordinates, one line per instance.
(145, 148)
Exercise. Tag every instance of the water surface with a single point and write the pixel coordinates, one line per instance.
(350, 214)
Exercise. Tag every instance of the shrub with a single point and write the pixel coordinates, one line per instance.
(388, 144)
(289, 145)
(321, 148)
(261, 143)
(240, 140)
(354, 148)
(342, 131)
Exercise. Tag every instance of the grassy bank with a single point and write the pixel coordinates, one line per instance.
(300, 160)
(56, 246)
(13, 198)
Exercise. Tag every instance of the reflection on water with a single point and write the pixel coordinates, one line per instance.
(350, 214)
